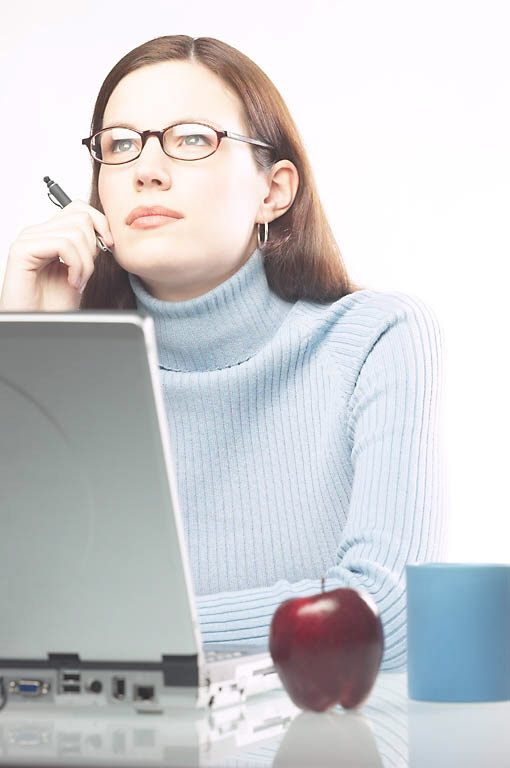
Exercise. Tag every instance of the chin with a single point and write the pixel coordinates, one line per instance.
(145, 255)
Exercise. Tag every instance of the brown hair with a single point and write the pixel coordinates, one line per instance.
(301, 257)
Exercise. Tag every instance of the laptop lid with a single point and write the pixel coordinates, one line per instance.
(93, 555)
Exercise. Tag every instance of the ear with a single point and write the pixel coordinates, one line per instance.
(282, 184)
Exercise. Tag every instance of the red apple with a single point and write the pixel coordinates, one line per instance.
(327, 649)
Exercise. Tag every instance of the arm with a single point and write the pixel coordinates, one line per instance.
(397, 506)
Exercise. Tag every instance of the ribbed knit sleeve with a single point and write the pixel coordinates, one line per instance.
(397, 508)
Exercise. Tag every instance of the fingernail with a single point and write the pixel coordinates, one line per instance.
(83, 286)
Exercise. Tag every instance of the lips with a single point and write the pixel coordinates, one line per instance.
(152, 210)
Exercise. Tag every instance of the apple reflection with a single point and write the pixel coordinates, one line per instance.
(332, 738)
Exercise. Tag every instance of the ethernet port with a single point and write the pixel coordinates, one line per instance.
(143, 693)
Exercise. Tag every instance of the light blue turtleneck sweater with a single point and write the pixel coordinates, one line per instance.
(307, 441)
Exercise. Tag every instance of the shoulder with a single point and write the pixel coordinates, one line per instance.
(368, 324)
(368, 313)
(379, 311)
(382, 307)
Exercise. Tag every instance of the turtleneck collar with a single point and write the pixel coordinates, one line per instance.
(221, 328)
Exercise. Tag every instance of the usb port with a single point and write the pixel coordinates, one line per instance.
(69, 681)
(69, 677)
(70, 688)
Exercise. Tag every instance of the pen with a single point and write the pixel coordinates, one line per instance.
(62, 200)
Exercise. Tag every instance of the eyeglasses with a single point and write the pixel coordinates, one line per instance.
(182, 141)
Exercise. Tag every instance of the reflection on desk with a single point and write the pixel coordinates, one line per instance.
(389, 730)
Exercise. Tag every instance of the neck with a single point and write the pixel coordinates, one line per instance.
(219, 329)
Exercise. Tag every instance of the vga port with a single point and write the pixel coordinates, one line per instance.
(29, 687)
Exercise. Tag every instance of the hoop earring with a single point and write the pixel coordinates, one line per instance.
(266, 234)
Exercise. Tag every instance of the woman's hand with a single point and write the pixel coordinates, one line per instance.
(35, 279)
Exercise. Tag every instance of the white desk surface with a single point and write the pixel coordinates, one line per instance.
(389, 730)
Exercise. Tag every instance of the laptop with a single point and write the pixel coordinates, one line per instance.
(96, 597)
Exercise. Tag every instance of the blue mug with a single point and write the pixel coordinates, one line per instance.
(458, 631)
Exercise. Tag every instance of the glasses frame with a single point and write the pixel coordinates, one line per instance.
(144, 135)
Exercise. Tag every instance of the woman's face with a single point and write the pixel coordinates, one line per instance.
(219, 197)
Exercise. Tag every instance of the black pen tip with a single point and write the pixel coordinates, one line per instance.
(47, 179)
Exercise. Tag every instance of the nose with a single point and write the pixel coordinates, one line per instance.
(153, 165)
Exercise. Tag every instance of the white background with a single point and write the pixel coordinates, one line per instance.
(415, 182)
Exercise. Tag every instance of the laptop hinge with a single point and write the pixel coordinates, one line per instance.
(180, 670)
(64, 659)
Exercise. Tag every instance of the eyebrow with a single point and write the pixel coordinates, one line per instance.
(192, 119)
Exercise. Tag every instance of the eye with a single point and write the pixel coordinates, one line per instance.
(116, 144)
(191, 139)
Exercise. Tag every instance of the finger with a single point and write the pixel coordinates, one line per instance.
(79, 220)
(75, 216)
(72, 257)
(99, 220)
(86, 234)
(78, 228)
(67, 252)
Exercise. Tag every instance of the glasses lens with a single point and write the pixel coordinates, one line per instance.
(190, 141)
(116, 145)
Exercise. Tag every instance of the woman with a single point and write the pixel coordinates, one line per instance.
(304, 411)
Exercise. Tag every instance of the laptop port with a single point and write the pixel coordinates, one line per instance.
(70, 688)
(143, 693)
(29, 687)
(95, 686)
(119, 688)
(71, 677)
(69, 681)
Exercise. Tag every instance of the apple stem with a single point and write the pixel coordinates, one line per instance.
(323, 581)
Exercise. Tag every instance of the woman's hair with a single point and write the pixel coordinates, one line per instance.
(301, 256)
